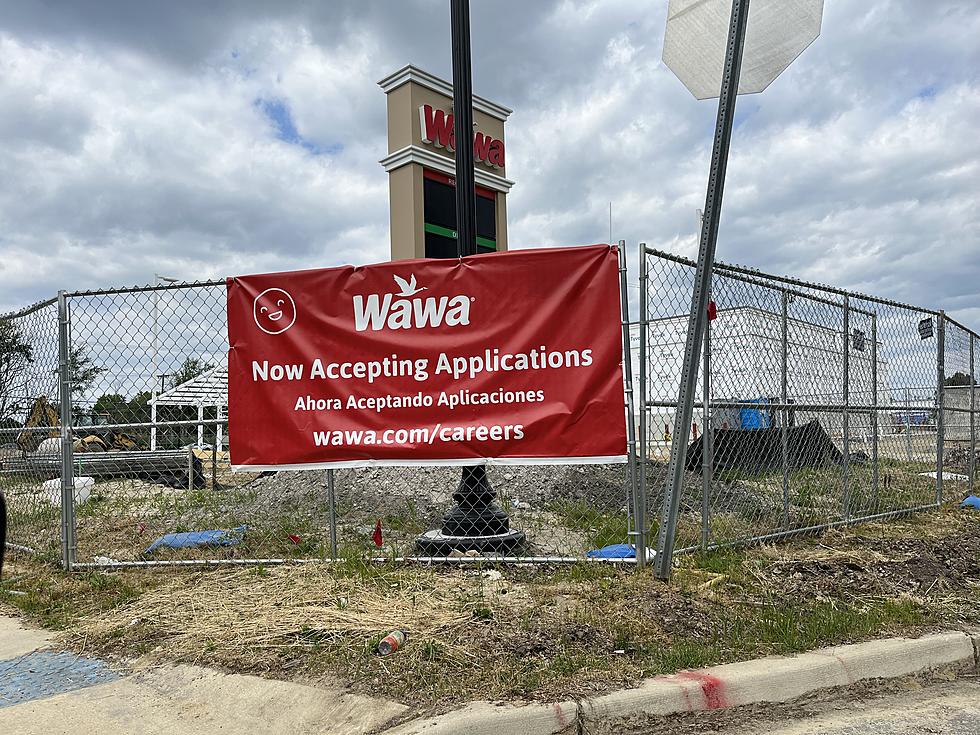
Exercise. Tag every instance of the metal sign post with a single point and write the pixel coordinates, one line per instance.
(699, 299)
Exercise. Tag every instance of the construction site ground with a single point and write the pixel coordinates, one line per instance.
(514, 632)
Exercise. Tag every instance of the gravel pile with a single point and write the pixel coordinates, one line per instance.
(429, 489)
(957, 459)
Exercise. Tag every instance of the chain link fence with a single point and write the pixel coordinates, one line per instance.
(136, 437)
(30, 394)
(817, 407)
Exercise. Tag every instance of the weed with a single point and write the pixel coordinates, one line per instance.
(406, 520)
(720, 561)
(601, 529)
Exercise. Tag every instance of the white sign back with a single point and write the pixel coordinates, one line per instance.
(697, 30)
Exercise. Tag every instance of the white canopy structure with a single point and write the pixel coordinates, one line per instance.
(207, 390)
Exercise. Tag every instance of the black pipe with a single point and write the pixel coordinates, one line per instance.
(463, 129)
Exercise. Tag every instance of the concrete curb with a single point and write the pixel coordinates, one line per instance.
(774, 679)
(484, 718)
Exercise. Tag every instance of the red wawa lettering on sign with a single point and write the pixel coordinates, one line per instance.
(505, 357)
(437, 130)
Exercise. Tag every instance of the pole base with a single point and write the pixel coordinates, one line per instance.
(436, 543)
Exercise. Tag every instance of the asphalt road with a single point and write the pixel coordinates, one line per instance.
(946, 708)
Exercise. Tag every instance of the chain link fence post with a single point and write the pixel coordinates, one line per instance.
(784, 399)
(972, 461)
(332, 504)
(628, 386)
(706, 458)
(874, 409)
(639, 507)
(68, 545)
(940, 403)
(846, 394)
(908, 426)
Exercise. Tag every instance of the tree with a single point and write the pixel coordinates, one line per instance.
(81, 372)
(113, 405)
(16, 353)
(138, 411)
(189, 369)
(957, 378)
(139, 407)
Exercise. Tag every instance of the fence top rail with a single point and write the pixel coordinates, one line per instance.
(25, 311)
(148, 288)
(960, 325)
(761, 280)
(795, 282)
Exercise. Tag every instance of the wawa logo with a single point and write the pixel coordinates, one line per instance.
(405, 310)
(437, 130)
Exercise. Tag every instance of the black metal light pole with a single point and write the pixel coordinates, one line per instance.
(463, 129)
(475, 522)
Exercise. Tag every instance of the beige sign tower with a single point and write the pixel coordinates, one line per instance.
(421, 167)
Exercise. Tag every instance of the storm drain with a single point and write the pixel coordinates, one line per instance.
(45, 673)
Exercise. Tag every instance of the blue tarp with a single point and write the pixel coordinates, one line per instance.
(217, 537)
(971, 502)
(755, 418)
(617, 551)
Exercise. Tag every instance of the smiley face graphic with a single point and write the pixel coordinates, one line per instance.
(274, 311)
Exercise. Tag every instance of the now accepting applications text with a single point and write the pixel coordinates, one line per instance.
(458, 366)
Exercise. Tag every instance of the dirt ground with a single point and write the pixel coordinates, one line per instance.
(519, 631)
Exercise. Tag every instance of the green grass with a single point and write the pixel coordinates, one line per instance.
(683, 654)
(782, 629)
(406, 519)
(56, 600)
(790, 628)
(600, 529)
(722, 561)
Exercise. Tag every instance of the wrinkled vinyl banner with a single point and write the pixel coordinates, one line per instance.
(508, 358)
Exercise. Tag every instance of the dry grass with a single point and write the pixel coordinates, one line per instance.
(239, 616)
(521, 632)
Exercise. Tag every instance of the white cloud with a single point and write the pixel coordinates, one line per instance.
(133, 144)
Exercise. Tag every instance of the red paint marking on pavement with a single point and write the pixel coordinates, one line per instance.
(712, 687)
(559, 715)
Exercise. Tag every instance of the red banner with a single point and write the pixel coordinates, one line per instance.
(511, 357)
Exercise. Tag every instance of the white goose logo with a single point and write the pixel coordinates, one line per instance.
(408, 288)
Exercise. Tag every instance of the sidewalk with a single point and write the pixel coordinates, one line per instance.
(46, 693)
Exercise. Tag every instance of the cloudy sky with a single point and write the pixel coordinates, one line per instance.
(207, 139)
